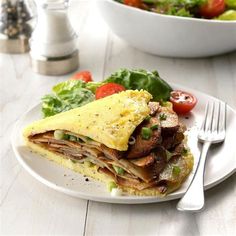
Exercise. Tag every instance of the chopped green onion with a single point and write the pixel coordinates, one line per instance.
(72, 138)
(176, 170)
(184, 151)
(119, 170)
(168, 155)
(166, 104)
(88, 139)
(59, 134)
(147, 118)
(111, 185)
(163, 116)
(154, 127)
(66, 136)
(115, 192)
(88, 164)
(73, 161)
(146, 133)
(162, 103)
(80, 140)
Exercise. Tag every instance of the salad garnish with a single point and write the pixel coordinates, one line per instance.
(209, 9)
(85, 76)
(183, 102)
(66, 96)
(81, 89)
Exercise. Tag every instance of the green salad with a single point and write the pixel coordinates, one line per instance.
(209, 9)
(66, 95)
(77, 92)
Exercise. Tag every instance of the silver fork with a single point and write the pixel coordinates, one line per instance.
(212, 131)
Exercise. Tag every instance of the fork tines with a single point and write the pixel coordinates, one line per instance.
(214, 119)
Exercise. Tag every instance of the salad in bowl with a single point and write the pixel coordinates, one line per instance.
(208, 9)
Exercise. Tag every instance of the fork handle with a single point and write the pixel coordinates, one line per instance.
(193, 199)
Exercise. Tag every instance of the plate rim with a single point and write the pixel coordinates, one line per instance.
(116, 200)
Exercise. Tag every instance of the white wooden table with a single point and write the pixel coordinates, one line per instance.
(30, 208)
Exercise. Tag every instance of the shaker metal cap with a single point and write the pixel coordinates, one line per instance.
(17, 45)
(55, 65)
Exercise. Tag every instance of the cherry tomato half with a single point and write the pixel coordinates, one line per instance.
(86, 76)
(133, 3)
(183, 102)
(108, 89)
(212, 8)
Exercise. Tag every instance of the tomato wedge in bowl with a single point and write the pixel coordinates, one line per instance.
(183, 102)
(212, 8)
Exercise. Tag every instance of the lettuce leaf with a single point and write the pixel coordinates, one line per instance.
(66, 95)
(227, 15)
(231, 4)
(142, 79)
(185, 8)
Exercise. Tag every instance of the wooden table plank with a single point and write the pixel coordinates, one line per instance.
(164, 219)
(28, 207)
(32, 208)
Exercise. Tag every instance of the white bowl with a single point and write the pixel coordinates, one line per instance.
(170, 36)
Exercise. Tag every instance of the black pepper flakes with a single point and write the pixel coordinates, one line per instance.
(86, 179)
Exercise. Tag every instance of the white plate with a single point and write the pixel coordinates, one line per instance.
(220, 164)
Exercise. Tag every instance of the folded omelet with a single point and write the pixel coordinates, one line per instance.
(110, 120)
(123, 137)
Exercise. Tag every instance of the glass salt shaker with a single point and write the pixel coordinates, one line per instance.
(15, 25)
(54, 42)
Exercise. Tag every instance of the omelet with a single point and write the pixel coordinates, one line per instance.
(125, 137)
(110, 120)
